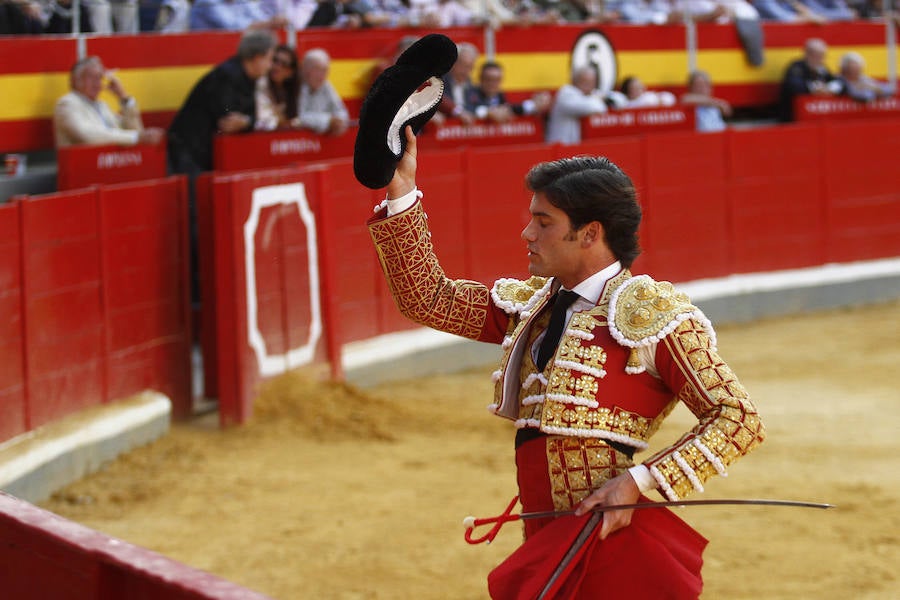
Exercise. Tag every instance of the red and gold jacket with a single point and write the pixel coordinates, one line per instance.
(598, 384)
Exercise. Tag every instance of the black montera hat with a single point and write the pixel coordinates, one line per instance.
(407, 93)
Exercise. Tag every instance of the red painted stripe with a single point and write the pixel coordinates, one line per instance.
(156, 50)
(36, 54)
(627, 38)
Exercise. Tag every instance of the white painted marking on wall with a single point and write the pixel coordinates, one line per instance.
(287, 194)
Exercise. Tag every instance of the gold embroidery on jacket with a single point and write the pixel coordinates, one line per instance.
(578, 466)
(421, 290)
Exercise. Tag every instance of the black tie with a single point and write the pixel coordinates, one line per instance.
(564, 299)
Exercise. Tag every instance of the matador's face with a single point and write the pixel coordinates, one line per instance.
(554, 249)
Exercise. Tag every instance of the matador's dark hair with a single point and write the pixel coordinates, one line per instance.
(588, 189)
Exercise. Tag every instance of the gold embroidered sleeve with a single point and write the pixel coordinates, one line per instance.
(420, 289)
(728, 425)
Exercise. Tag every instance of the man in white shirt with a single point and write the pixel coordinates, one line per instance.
(573, 102)
(321, 108)
(594, 359)
(80, 117)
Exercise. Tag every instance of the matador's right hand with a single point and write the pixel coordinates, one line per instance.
(404, 180)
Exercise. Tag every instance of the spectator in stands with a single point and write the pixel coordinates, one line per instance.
(859, 86)
(573, 102)
(347, 14)
(295, 12)
(786, 11)
(80, 117)
(708, 11)
(632, 93)
(808, 75)
(642, 12)
(277, 92)
(60, 18)
(20, 18)
(494, 12)
(223, 101)
(830, 10)
(710, 111)
(232, 15)
(456, 82)
(487, 100)
(321, 108)
(174, 16)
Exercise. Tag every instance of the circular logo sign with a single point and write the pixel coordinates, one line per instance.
(594, 51)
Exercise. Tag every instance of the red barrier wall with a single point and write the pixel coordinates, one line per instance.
(45, 556)
(81, 166)
(93, 297)
(714, 204)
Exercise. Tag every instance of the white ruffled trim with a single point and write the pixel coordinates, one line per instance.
(512, 308)
(578, 333)
(696, 314)
(581, 368)
(570, 399)
(635, 370)
(380, 206)
(495, 376)
(691, 473)
(523, 423)
(664, 485)
(533, 399)
(597, 433)
(716, 462)
(532, 378)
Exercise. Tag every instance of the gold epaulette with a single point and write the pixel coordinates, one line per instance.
(515, 296)
(643, 311)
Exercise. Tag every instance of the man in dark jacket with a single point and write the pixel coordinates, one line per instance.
(806, 76)
(221, 102)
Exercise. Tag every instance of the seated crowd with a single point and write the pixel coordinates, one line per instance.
(132, 16)
(265, 87)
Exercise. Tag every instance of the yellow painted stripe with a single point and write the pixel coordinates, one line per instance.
(32, 96)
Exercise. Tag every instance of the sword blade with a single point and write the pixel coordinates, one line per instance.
(674, 503)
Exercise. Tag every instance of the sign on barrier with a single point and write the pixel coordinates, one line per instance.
(807, 108)
(639, 120)
(269, 149)
(454, 133)
(81, 166)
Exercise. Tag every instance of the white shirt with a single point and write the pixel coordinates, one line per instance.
(589, 290)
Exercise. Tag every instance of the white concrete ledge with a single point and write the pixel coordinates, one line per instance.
(735, 298)
(35, 464)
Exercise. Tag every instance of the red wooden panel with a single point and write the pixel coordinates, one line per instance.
(144, 233)
(67, 390)
(498, 210)
(12, 373)
(777, 224)
(774, 153)
(685, 206)
(63, 305)
(861, 187)
(177, 49)
(265, 150)
(81, 166)
(159, 365)
(37, 54)
(356, 263)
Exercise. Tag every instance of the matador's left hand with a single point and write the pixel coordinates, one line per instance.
(618, 490)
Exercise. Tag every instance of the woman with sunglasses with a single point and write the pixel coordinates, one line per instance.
(276, 93)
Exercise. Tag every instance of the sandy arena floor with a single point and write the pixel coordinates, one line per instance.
(337, 493)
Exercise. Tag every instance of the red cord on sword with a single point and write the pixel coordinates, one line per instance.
(470, 523)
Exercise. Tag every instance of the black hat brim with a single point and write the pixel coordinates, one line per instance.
(407, 93)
